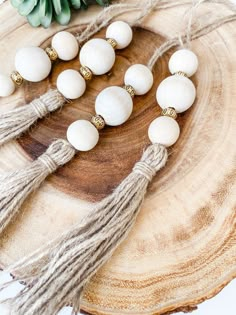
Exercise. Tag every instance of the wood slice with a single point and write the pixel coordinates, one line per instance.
(182, 249)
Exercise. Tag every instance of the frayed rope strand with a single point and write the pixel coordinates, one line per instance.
(76, 257)
(196, 33)
(19, 120)
(17, 185)
(142, 8)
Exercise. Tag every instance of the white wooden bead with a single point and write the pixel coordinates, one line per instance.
(121, 32)
(140, 78)
(115, 105)
(82, 135)
(32, 63)
(164, 130)
(71, 84)
(66, 45)
(176, 91)
(183, 60)
(98, 55)
(7, 87)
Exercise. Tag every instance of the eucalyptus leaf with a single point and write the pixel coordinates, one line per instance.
(46, 19)
(103, 3)
(57, 6)
(64, 17)
(76, 4)
(16, 3)
(43, 12)
(34, 17)
(43, 8)
(26, 7)
(84, 4)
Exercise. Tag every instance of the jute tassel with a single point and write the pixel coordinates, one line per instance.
(17, 185)
(19, 120)
(65, 267)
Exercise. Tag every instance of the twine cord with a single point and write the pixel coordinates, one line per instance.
(145, 170)
(17, 185)
(197, 33)
(48, 162)
(20, 119)
(40, 108)
(81, 251)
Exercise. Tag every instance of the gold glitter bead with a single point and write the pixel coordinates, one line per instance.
(86, 73)
(130, 90)
(98, 122)
(16, 78)
(112, 42)
(180, 73)
(52, 54)
(170, 112)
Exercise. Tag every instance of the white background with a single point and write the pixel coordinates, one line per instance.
(223, 304)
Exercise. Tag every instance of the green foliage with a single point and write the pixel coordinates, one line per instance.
(43, 12)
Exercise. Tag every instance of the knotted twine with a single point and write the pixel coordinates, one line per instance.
(17, 185)
(17, 121)
(88, 245)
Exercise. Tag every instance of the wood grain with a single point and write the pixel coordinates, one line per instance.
(183, 247)
(94, 174)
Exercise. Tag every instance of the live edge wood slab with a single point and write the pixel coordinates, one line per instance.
(182, 249)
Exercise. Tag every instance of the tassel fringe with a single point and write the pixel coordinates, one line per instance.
(17, 185)
(17, 121)
(64, 268)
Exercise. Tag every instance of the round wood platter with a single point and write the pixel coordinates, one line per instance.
(182, 249)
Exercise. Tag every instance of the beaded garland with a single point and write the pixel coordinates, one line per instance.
(175, 94)
(113, 107)
(57, 273)
(34, 63)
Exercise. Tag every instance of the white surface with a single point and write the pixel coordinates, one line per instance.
(7, 87)
(121, 32)
(82, 135)
(183, 60)
(222, 304)
(66, 45)
(98, 55)
(140, 78)
(71, 84)
(176, 91)
(114, 104)
(32, 63)
(164, 130)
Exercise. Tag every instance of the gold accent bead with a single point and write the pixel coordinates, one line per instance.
(180, 73)
(52, 54)
(130, 90)
(86, 73)
(112, 42)
(17, 78)
(98, 122)
(170, 112)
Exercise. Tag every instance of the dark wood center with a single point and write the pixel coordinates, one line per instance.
(92, 175)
